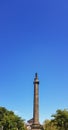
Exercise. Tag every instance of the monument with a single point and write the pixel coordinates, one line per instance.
(36, 125)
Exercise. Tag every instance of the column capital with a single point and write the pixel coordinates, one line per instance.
(36, 80)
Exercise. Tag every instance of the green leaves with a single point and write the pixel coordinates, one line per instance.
(59, 121)
(48, 125)
(10, 121)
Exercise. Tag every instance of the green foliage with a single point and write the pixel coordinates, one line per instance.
(59, 121)
(10, 121)
(48, 125)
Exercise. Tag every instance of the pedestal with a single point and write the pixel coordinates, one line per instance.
(36, 127)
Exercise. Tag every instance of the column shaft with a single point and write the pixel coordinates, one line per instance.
(36, 104)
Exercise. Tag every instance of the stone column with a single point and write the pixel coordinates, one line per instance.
(36, 101)
(36, 125)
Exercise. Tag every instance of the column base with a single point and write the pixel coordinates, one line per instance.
(36, 127)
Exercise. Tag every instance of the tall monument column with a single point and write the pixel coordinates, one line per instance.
(36, 125)
(36, 101)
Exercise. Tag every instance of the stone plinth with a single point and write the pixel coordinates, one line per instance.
(36, 127)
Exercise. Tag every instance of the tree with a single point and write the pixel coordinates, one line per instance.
(58, 122)
(61, 119)
(10, 121)
(48, 125)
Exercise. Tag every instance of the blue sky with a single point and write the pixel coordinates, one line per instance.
(34, 38)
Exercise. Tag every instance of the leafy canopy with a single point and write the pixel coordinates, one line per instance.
(59, 121)
(10, 121)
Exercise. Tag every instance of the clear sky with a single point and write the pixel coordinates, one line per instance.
(34, 38)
